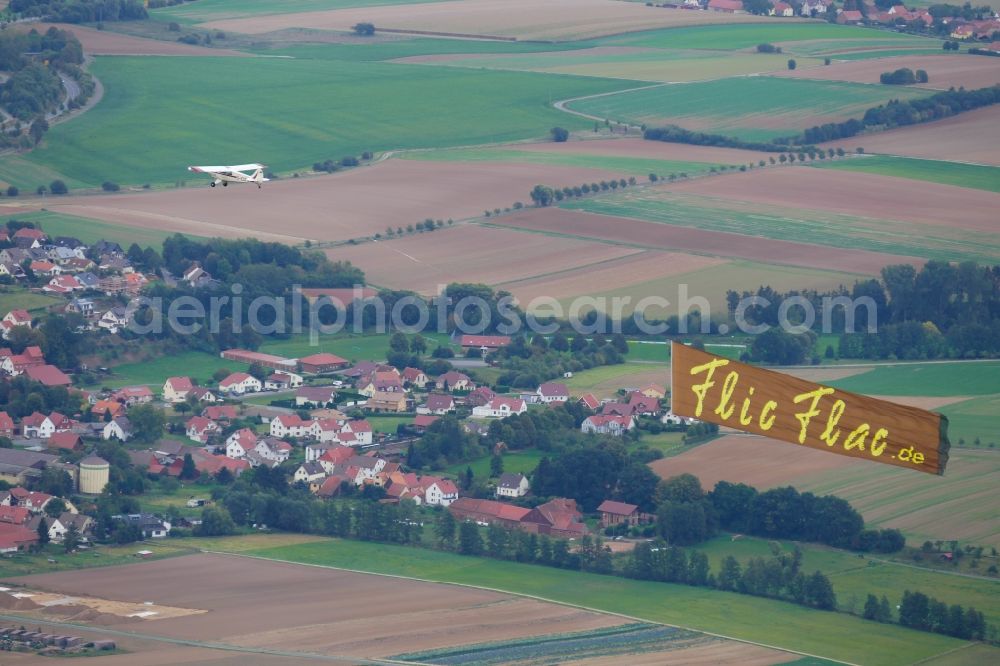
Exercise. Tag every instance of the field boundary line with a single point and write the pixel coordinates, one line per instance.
(536, 598)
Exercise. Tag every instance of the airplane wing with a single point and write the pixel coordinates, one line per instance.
(246, 167)
(209, 169)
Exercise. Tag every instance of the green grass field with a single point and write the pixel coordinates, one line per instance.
(977, 418)
(935, 171)
(734, 37)
(354, 347)
(388, 423)
(656, 351)
(587, 380)
(217, 10)
(523, 462)
(855, 577)
(931, 379)
(91, 231)
(197, 365)
(793, 224)
(191, 110)
(629, 166)
(831, 635)
(20, 171)
(17, 298)
(753, 108)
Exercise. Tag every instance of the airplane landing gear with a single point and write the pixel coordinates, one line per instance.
(211, 184)
(225, 183)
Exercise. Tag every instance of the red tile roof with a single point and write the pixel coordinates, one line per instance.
(617, 508)
(48, 375)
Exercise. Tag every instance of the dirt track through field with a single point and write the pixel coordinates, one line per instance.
(576, 224)
(860, 194)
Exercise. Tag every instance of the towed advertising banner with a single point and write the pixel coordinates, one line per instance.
(722, 391)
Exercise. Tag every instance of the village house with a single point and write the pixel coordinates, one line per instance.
(479, 396)
(552, 392)
(280, 381)
(309, 473)
(133, 395)
(383, 401)
(104, 407)
(590, 401)
(273, 450)
(726, 6)
(16, 538)
(65, 440)
(439, 492)
(200, 429)
(151, 526)
(642, 405)
(559, 517)
(414, 377)
(28, 237)
(257, 358)
(119, 428)
(83, 307)
(240, 443)
(423, 421)
(781, 9)
(59, 526)
(331, 456)
(221, 413)
(604, 424)
(39, 426)
(114, 320)
(290, 425)
(48, 375)
(318, 396)
(454, 381)
(176, 389)
(437, 403)
(15, 364)
(500, 408)
(239, 383)
(618, 513)
(6, 425)
(512, 485)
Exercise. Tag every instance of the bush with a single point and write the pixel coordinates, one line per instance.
(901, 77)
(58, 187)
(922, 76)
(13, 191)
(768, 48)
(364, 29)
(791, 63)
(174, 27)
(108, 186)
(559, 134)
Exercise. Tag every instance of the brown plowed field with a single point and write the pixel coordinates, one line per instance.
(852, 193)
(350, 204)
(102, 42)
(715, 243)
(608, 276)
(968, 137)
(654, 150)
(523, 19)
(472, 254)
(943, 71)
(260, 603)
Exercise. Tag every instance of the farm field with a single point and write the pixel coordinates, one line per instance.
(213, 10)
(638, 233)
(967, 137)
(523, 462)
(624, 62)
(520, 19)
(710, 212)
(629, 166)
(91, 231)
(737, 37)
(863, 195)
(353, 347)
(943, 71)
(425, 615)
(197, 365)
(770, 622)
(972, 419)
(953, 506)
(106, 42)
(855, 577)
(960, 174)
(606, 380)
(645, 150)
(192, 110)
(752, 108)
(926, 379)
(15, 298)
(468, 253)
(420, 190)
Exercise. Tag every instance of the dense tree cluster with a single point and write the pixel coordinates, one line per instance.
(526, 365)
(80, 11)
(903, 76)
(675, 134)
(918, 611)
(785, 513)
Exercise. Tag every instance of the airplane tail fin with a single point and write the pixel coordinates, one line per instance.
(258, 176)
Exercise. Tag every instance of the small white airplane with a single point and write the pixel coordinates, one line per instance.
(233, 174)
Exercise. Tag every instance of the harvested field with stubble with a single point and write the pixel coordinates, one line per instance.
(651, 150)
(637, 233)
(943, 71)
(458, 254)
(520, 19)
(102, 42)
(320, 611)
(860, 194)
(968, 137)
(350, 204)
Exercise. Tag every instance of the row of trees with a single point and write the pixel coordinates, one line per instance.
(903, 76)
(79, 11)
(898, 113)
